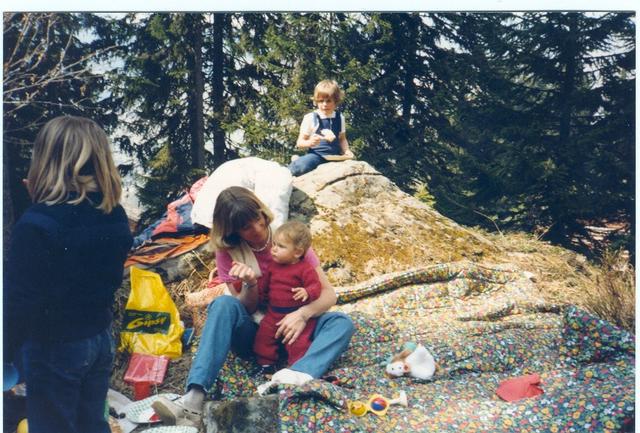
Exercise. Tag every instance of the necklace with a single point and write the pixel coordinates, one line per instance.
(257, 250)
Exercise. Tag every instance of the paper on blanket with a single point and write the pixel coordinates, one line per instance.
(119, 402)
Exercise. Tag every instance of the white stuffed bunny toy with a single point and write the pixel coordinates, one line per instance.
(418, 363)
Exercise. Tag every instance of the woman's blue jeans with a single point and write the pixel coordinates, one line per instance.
(305, 164)
(230, 327)
(67, 384)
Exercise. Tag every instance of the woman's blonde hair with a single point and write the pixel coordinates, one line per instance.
(328, 88)
(71, 158)
(235, 208)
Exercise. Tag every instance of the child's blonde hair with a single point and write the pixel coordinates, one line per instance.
(297, 233)
(328, 88)
(71, 158)
(235, 208)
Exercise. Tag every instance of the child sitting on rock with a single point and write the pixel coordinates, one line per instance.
(289, 284)
(322, 131)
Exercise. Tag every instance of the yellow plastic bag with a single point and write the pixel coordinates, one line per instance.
(151, 322)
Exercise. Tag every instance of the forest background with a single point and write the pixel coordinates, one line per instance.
(510, 122)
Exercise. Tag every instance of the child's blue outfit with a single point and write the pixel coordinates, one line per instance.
(315, 155)
(64, 265)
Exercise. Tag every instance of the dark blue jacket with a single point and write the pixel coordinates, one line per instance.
(65, 264)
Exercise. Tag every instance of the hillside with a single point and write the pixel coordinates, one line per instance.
(363, 227)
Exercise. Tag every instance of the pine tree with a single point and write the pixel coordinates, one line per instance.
(290, 53)
(48, 72)
(159, 89)
(542, 142)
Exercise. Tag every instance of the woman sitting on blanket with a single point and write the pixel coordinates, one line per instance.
(242, 238)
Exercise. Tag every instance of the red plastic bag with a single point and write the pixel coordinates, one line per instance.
(145, 370)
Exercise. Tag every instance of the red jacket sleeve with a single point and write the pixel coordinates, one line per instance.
(311, 282)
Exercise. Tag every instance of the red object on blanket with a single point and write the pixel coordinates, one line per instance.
(145, 370)
(174, 218)
(520, 387)
(177, 208)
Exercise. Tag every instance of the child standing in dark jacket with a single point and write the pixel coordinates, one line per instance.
(65, 262)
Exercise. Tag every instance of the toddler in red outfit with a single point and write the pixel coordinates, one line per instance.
(289, 284)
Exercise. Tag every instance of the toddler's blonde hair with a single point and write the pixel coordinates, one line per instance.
(71, 158)
(297, 233)
(328, 88)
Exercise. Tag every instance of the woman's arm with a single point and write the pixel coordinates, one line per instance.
(344, 143)
(292, 325)
(307, 137)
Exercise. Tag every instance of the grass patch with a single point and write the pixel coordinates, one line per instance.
(605, 288)
(613, 296)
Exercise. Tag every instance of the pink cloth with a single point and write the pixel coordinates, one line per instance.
(520, 387)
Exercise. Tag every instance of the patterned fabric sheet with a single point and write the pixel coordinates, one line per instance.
(483, 325)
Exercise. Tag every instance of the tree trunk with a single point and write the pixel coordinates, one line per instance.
(570, 168)
(217, 87)
(409, 54)
(197, 126)
(566, 91)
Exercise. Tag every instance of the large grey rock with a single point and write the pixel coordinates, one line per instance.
(363, 225)
(242, 415)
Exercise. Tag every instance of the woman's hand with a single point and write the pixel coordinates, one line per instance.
(243, 272)
(291, 326)
(248, 295)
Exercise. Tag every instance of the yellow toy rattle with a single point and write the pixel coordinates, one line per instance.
(377, 404)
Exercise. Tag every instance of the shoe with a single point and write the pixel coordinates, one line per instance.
(174, 413)
(267, 370)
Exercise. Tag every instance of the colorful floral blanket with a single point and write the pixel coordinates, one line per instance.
(483, 326)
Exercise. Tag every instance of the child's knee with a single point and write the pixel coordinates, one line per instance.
(299, 167)
(305, 164)
(295, 168)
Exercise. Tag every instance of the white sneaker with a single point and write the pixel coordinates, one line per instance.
(175, 413)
